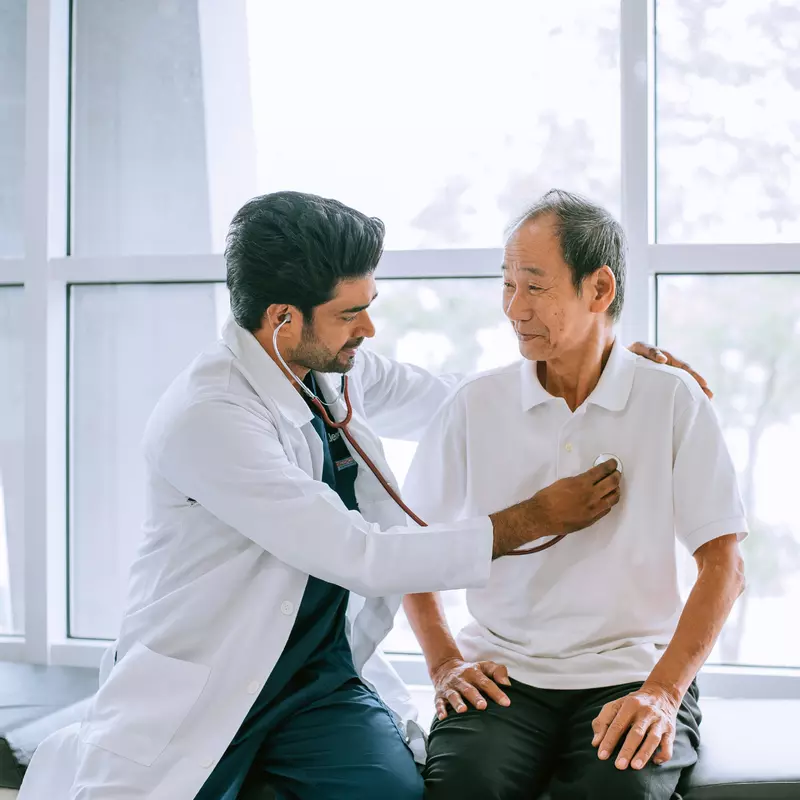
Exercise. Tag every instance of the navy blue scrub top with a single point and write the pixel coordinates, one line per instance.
(316, 660)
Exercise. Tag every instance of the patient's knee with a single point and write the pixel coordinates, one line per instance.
(464, 787)
(604, 780)
(465, 776)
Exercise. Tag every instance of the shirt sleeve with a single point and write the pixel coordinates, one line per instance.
(707, 502)
(400, 399)
(436, 482)
(229, 459)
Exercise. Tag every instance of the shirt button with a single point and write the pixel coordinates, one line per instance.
(287, 608)
(207, 764)
(568, 447)
(253, 687)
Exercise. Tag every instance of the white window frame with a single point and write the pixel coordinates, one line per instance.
(46, 271)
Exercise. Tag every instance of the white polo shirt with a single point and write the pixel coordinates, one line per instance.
(599, 608)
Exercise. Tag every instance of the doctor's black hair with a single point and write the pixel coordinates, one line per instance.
(590, 238)
(294, 248)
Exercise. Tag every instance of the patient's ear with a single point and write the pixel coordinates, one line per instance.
(600, 288)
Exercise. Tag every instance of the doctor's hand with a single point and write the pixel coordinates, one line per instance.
(649, 717)
(456, 680)
(659, 356)
(566, 506)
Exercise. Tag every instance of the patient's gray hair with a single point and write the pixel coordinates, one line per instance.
(590, 238)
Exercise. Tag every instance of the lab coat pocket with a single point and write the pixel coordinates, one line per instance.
(139, 709)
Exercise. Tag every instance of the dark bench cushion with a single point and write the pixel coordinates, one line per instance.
(750, 748)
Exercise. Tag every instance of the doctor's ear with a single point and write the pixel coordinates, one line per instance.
(276, 315)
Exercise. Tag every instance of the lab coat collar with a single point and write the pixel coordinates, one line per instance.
(266, 376)
(612, 390)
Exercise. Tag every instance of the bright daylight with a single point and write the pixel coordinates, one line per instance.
(399, 400)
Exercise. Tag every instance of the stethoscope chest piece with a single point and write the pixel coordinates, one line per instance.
(608, 457)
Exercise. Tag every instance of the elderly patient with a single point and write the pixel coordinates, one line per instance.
(596, 653)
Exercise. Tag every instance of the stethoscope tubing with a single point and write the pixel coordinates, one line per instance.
(343, 426)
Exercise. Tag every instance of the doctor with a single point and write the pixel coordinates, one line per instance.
(273, 561)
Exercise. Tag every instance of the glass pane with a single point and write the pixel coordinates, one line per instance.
(445, 145)
(12, 126)
(743, 334)
(12, 426)
(128, 343)
(448, 126)
(139, 144)
(452, 325)
(728, 105)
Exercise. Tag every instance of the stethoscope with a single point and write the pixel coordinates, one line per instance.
(342, 426)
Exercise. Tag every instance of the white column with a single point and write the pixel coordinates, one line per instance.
(230, 136)
(638, 202)
(46, 128)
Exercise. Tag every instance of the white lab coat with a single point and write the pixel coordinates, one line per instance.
(237, 518)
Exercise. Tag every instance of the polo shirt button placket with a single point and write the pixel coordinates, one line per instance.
(567, 458)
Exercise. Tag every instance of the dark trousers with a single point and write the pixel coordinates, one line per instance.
(543, 740)
(345, 746)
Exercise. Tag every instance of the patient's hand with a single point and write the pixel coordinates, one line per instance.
(456, 680)
(649, 715)
(664, 357)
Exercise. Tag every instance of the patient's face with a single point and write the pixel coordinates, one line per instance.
(549, 317)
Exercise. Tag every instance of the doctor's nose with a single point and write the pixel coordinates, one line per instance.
(367, 328)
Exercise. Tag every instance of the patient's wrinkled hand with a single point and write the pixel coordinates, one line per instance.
(649, 715)
(455, 680)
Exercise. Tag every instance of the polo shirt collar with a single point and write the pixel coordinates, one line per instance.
(612, 390)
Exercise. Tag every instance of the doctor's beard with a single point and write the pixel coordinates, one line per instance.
(314, 355)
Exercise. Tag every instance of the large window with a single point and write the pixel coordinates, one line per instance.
(128, 344)
(728, 101)
(449, 125)
(743, 333)
(679, 116)
(444, 129)
(140, 182)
